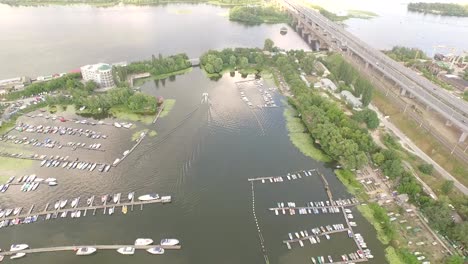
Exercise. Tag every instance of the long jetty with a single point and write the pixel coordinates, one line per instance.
(271, 178)
(313, 235)
(86, 208)
(312, 207)
(76, 247)
(327, 187)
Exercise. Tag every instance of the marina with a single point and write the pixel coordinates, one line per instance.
(108, 202)
(77, 247)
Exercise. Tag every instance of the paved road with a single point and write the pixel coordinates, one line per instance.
(449, 106)
(419, 152)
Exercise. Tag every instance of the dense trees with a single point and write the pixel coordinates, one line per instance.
(446, 9)
(405, 54)
(257, 14)
(368, 116)
(157, 66)
(214, 62)
(268, 45)
(426, 168)
(343, 71)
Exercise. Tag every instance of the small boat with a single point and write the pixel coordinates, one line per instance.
(93, 167)
(107, 168)
(149, 197)
(57, 205)
(8, 212)
(103, 198)
(116, 161)
(75, 201)
(143, 241)
(35, 185)
(18, 255)
(17, 247)
(126, 250)
(50, 180)
(117, 125)
(64, 214)
(111, 210)
(53, 183)
(116, 197)
(169, 242)
(39, 180)
(17, 210)
(90, 199)
(63, 203)
(131, 195)
(78, 214)
(124, 209)
(156, 250)
(43, 163)
(84, 251)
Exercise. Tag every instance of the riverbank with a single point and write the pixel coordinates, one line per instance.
(443, 9)
(257, 15)
(361, 14)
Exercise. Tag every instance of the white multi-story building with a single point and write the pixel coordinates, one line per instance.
(101, 73)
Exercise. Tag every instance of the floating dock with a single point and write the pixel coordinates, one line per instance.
(74, 248)
(297, 174)
(85, 208)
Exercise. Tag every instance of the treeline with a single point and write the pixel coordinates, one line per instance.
(405, 54)
(69, 80)
(343, 71)
(339, 136)
(156, 66)
(215, 62)
(445, 9)
(257, 14)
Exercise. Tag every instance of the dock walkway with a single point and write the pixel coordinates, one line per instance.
(313, 235)
(312, 207)
(306, 173)
(92, 207)
(73, 248)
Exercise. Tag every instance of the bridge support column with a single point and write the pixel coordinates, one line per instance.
(462, 137)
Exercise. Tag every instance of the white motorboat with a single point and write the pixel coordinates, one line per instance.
(75, 201)
(156, 250)
(53, 183)
(126, 250)
(149, 197)
(38, 180)
(169, 242)
(116, 197)
(17, 247)
(84, 251)
(63, 203)
(143, 241)
(111, 210)
(57, 205)
(18, 255)
(116, 161)
(131, 195)
(17, 210)
(8, 212)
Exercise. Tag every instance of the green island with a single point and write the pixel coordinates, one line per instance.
(344, 138)
(444, 9)
(106, 3)
(257, 14)
(339, 18)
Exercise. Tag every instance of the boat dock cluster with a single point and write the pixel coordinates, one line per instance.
(59, 130)
(65, 163)
(265, 98)
(109, 203)
(314, 207)
(290, 176)
(28, 183)
(20, 250)
(48, 143)
(81, 121)
(314, 235)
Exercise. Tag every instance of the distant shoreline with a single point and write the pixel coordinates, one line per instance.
(443, 9)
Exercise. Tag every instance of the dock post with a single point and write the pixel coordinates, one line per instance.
(141, 207)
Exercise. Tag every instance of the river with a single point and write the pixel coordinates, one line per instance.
(203, 153)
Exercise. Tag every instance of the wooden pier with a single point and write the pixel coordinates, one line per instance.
(74, 248)
(84, 208)
(313, 236)
(327, 187)
(271, 178)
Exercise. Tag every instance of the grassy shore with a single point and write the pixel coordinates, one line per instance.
(300, 138)
(352, 185)
(141, 81)
(392, 256)
(121, 112)
(168, 105)
(368, 213)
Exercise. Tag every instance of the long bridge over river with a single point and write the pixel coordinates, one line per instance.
(316, 28)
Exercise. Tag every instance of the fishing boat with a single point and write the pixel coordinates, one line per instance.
(131, 195)
(18, 255)
(84, 251)
(63, 203)
(169, 242)
(149, 197)
(116, 197)
(143, 241)
(17, 247)
(126, 250)
(156, 250)
(124, 209)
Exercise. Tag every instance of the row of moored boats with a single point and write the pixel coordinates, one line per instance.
(59, 130)
(80, 165)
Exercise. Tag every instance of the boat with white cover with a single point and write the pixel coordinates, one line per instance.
(156, 250)
(126, 250)
(149, 197)
(143, 241)
(84, 251)
(169, 242)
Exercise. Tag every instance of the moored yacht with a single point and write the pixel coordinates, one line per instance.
(156, 250)
(143, 241)
(126, 250)
(169, 242)
(84, 251)
(18, 255)
(17, 247)
(149, 197)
